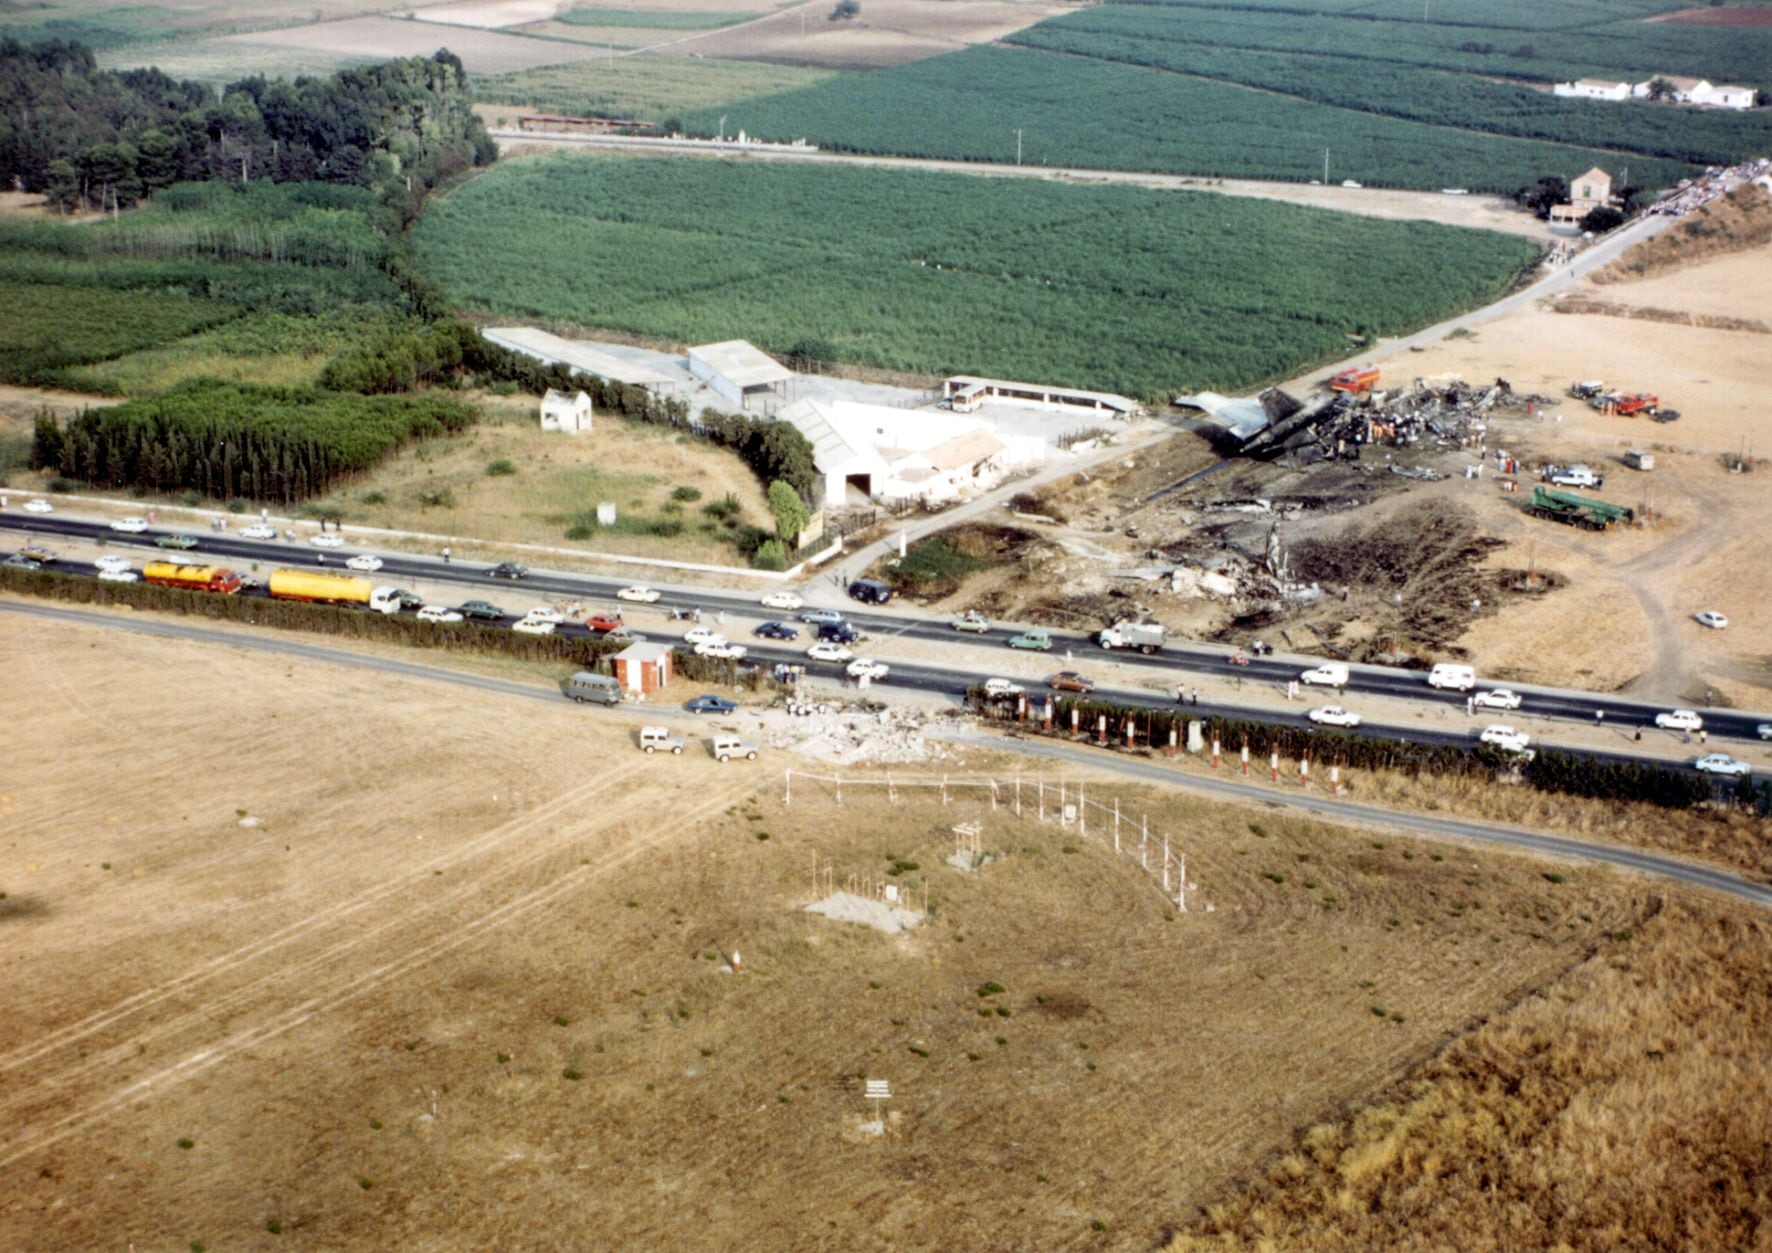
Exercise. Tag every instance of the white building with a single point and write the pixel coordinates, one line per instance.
(561, 411)
(888, 454)
(1680, 90)
(740, 372)
(1593, 89)
(966, 393)
(1731, 97)
(578, 356)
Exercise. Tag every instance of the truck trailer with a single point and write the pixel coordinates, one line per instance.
(320, 588)
(1582, 511)
(1146, 637)
(1357, 380)
(194, 578)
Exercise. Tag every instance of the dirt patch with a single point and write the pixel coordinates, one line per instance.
(888, 32)
(1738, 222)
(481, 51)
(1744, 16)
(488, 14)
(1648, 313)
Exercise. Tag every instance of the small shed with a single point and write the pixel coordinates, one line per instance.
(643, 668)
(739, 372)
(561, 411)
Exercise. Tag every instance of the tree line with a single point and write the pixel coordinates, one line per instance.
(103, 139)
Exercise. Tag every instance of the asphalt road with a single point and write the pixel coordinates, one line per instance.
(1144, 771)
(1180, 663)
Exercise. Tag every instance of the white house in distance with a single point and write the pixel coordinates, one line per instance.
(1593, 89)
(1586, 193)
(561, 411)
(1698, 91)
(889, 454)
(740, 372)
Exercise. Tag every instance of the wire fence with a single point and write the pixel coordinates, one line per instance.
(1064, 803)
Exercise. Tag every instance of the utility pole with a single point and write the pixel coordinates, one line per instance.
(1018, 145)
(722, 128)
(1325, 167)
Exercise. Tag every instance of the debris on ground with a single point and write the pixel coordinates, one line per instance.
(866, 912)
(830, 730)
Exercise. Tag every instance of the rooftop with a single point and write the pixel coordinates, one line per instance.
(742, 363)
(575, 353)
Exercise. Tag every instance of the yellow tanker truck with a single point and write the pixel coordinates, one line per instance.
(321, 588)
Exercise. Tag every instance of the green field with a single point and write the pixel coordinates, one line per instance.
(1399, 92)
(1107, 287)
(654, 19)
(653, 88)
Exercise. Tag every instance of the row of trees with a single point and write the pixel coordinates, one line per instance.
(108, 139)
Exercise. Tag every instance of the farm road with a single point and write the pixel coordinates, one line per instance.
(1327, 807)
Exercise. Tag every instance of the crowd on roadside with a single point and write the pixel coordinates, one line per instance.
(1696, 193)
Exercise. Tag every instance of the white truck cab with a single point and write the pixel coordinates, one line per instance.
(653, 739)
(726, 747)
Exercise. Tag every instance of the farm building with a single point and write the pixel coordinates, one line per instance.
(1680, 90)
(740, 372)
(580, 357)
(888, 454)
(1586, 193)
(1593, 89)
(562, 411)
(643, 668)
(965, 394)
(1729, 96)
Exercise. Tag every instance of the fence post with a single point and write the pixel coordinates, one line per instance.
(1130, 736)
(1116, 824)
(787, 796)
(1021, 707)
(1074, 722)
(1049, 709)
(1040, 786)
(1245, 756)
(1165, 865)
(1304, 771)
(1215, 752)
(1144, 845)
(1181, 884)
(1174, 739)
(944, 789)
(1018, 796)
(1082, 813)
(1273, 765)
(1335, 780)
(1101, 730)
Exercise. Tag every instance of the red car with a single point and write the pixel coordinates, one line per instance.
(603, 621)
(1070, 681)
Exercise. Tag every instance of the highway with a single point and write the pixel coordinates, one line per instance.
(1145, 771)
(1180, 663)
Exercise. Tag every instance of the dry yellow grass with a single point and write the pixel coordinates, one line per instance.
(1624, 1107)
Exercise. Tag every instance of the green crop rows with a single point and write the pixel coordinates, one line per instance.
(1108, 287)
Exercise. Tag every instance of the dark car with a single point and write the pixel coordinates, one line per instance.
(408, 600)
(176, 541)
(838, 633)
(483, 610)
(776, 631)
(1070, 681)
(710, 705)
(509, 570)
(870, 591)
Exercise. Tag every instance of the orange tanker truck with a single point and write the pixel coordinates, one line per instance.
(195, 578)
(1362, 379)
(320, 588)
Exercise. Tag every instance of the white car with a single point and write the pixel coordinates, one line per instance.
(365, 561)
(38, 504)
(702, 635)
(640, 592)
(1679, 720)
(1002, 687)
(1764, 730)
(131, 526)
(1506, 737)
(259, 530)
(438, 613)
(1500, 698)
(111, 561)
(718, 647)
(123, 575)
(824, 650)
(1334, 716)
(868, 668)
(327, 539)
(1712, 619)
(544, 613)
(781, 600)
(1722, 763)
(532, 626)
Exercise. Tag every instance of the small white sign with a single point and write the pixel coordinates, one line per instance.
(879, 1090)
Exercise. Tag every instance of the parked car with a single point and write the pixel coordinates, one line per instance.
(480, 610)
(1712, 619)
(545, 613)
(438, 613)
(789, 601)
(509, 570)
(605, 622)
(259, 530)
(1334, 716)
(18, 561)
(710, 704)
(37, 552)
(869, 669)
(130, 526)
(532, 626)
(1764, 730)
(821, 617)
(181, 542)
(1679, 720)
(1505, 737)
(39, 504)
(1034, 638)
(702, 635)
(653, 739)
(1722, 763)
(327, 539)
(838, 633)
(367, 562)
(720, 649)
(588, 688)
(399, 595)
(638, 592)
(726, 747)
(118, 576)
(775, 631)
(111, 561)
(1002, 687)
(972, 623)
(1329, 674)
(622, 635)
(822, 651)
(870, 591)
(1499, 698)
(1070, 681)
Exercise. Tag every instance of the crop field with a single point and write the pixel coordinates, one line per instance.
(935, 274)
(650, 87)
(249, 1005)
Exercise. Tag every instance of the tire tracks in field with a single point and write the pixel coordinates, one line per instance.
(24, 1142)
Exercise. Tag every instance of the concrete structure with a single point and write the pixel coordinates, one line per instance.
(562, 411)
(643, 668)
(1593, 89)
(888, 454)
(740, 373)
(578, 356)
(965, 394)
(1729, 96)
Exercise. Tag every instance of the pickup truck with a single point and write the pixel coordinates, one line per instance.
(652, 739)
(1575, 476)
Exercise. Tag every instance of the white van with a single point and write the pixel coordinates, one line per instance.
(1329, 674)
(585, 687)
(1446, 674)
(385, 600)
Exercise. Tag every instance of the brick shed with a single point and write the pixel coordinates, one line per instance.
(643, 667)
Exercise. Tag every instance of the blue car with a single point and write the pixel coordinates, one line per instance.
(776, 631)
(710, 705)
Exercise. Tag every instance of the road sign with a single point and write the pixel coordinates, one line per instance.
(879, 1090)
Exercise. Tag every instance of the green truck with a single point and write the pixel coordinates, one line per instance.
(1582, 511)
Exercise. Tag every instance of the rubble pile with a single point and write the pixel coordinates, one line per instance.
(849, 735)
(1442, 413)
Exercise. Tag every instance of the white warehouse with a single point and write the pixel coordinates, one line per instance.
(739, 373)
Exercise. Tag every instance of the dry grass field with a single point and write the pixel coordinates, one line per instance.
(481, 51)
(457, 982)
(643, 86)
(888, 32)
